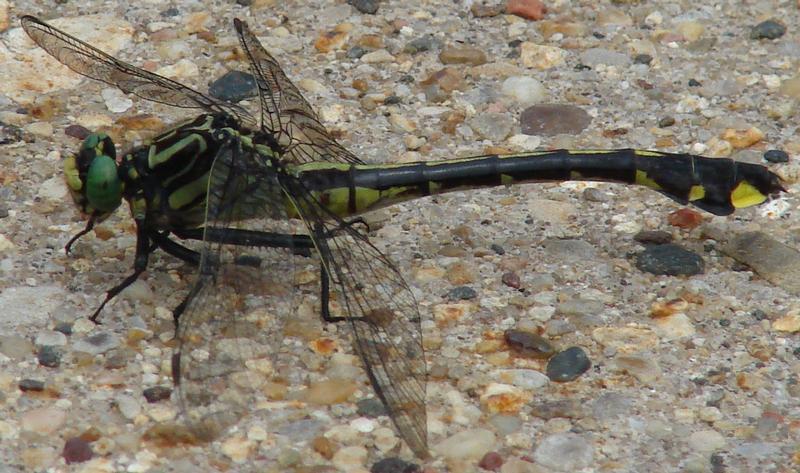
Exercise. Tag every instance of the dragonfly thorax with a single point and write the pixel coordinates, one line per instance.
(92, 177)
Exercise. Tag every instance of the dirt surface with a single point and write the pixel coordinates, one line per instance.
(689, 373)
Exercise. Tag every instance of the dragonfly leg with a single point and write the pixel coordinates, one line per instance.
(321, 233)
(325, 297)
(324, 279)
(89, 227)
(176, 249)
(301, 245)
(143, 249)
(181, 308)
(345, 224)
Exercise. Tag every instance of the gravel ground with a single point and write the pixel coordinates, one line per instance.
(688, 373)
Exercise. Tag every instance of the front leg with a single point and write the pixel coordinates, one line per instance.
(143, 250)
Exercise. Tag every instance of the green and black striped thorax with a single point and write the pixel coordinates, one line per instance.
(166, 180)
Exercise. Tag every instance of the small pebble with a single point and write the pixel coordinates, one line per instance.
(610, 405)
(356, 52)
(567, 408)
(64, 327)
(370, 7)
(463, 54)
(76, 450)
(350, 458)
(542, 57)
(594, 57)
(769, 257)
(233, 86)
(492, 461)
(484, 10)
(528, 9)
(666, 122)
(506, 424)
(670, 260)
(594, 194)
(116, 101)
(289, 459)
(653, 237)
(128, 406)
(568, 365)
(706, 441)
(776, 156)
(494, 127)
(462, 293)
(511, 279)
(157, 393)
(558, 327)
(118, 359)
(42, 129)
(237, 448)
(377, 57)
(529, 344)
(329, 392)
(769, 29)
(466, 445)
(98, 343)
(51, 338)
(685, 218)
(523, 378)
(49, 356)
(643, 368)
(550, 120)
(45, 420)
(579, 308)
(788, 323)
(31, 385)
(674, 327)
(564, 452)
(371, 407)
(524, 90)
(15, 347)
(422, 44)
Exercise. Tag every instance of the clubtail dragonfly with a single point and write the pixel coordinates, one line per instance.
(236, 181)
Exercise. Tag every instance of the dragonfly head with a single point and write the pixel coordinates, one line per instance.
(92, 177)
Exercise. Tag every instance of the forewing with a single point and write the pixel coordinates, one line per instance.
(227, 332)
(285, 113)
(93, 63)
(383, 314)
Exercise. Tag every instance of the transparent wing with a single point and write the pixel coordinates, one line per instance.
(383, 315)
(230, 327)
(93, 63)
(285, 113)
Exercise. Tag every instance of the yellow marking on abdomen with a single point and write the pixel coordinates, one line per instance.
(643, 179)
(697, 193)
(746, 195)
(648, 153)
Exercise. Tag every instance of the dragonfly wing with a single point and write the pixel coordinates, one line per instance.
(383, 315)
(93, 63)
(285, 113)
(230, 326)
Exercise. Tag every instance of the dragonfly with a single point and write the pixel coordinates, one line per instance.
(257, 189)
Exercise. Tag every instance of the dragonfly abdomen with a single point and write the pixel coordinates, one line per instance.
(716, 185)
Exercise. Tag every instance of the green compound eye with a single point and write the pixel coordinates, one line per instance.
(92, 175)
(103, 186)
